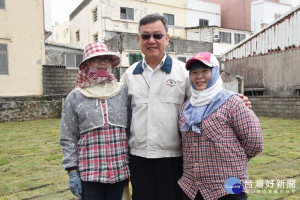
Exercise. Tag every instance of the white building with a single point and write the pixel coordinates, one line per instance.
(264, 12)
(200, 13)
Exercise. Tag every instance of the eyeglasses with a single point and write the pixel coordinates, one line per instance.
(101, 59)
(156, 36)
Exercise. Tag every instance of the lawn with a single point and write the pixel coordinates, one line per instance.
(30, 161)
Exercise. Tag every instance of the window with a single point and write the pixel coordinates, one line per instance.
(95, 37)
(238, 37)
(225, 37)
(65, 33)
(3, 59)
(95, 15)
(203, 22)
(73, 60)
(77, 36)
(127, 13)
(2, 4)
(56, 36)
(170, 18)
(134, 57)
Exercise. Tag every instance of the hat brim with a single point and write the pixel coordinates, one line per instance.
(115, 59)
(187, 65)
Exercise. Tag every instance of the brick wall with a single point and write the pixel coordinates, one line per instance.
(14, 109)
(276, 106)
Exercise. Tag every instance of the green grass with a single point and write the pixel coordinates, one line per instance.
(30, 160)
(280, 159)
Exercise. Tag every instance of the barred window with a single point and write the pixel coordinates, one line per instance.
(95, 15)
(225, 37)
(2, 4)
(96, 37)
(73, 60)
(170, 18)
(3, 59)
(238, 37)
(127, 13)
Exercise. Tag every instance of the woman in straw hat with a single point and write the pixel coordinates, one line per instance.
(93, 128)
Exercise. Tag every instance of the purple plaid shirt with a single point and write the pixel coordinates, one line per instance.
(103, 153)
(229, 137)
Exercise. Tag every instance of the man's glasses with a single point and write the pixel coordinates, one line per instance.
(156, 36)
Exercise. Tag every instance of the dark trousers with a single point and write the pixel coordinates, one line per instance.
(155, 179)
(242, 196)
(102, 191)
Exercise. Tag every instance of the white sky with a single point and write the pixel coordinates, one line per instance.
(61, 9)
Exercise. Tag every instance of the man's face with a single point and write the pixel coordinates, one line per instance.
(153, 48)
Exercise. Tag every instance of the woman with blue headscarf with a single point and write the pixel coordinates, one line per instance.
(219, 135)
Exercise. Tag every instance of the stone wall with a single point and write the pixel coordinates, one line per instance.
(15, 109)
(276, 106)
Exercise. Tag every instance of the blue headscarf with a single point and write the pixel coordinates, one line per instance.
(196, 114)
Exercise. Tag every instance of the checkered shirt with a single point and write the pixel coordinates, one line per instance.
(229, 137)
(103, 153)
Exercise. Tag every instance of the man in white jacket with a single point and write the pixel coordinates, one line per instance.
(157, 87)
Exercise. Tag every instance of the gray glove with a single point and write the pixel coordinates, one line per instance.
(75, 184)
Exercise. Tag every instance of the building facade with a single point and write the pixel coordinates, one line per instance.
(102, 20)
(222, 38)
(22, 47)
(61, 33)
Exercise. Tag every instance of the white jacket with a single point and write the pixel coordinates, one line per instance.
(155, 108)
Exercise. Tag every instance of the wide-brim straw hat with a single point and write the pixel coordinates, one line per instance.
(99, 49)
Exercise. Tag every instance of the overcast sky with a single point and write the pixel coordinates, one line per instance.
(61, 9)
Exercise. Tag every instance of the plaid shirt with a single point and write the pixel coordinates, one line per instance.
(103, 153)
(229, 137)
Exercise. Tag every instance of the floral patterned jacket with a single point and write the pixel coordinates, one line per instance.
(81, 114)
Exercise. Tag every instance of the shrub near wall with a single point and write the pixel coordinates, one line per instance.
(276, 106)
(27, 108)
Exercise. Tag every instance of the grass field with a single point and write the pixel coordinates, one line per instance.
(30, 161)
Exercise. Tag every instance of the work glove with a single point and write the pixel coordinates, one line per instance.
(75, 183)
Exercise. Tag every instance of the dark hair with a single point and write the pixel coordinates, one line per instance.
(153, 18)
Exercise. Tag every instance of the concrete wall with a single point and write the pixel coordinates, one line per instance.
(270, 58)
(15, 109)
(276, 106)
(277, 73)
(22, 29)
(58, 80)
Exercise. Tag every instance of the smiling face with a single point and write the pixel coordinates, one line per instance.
(153, 49)
(100, 62)
(200, 77)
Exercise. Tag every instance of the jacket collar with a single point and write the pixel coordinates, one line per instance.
(167, 66)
